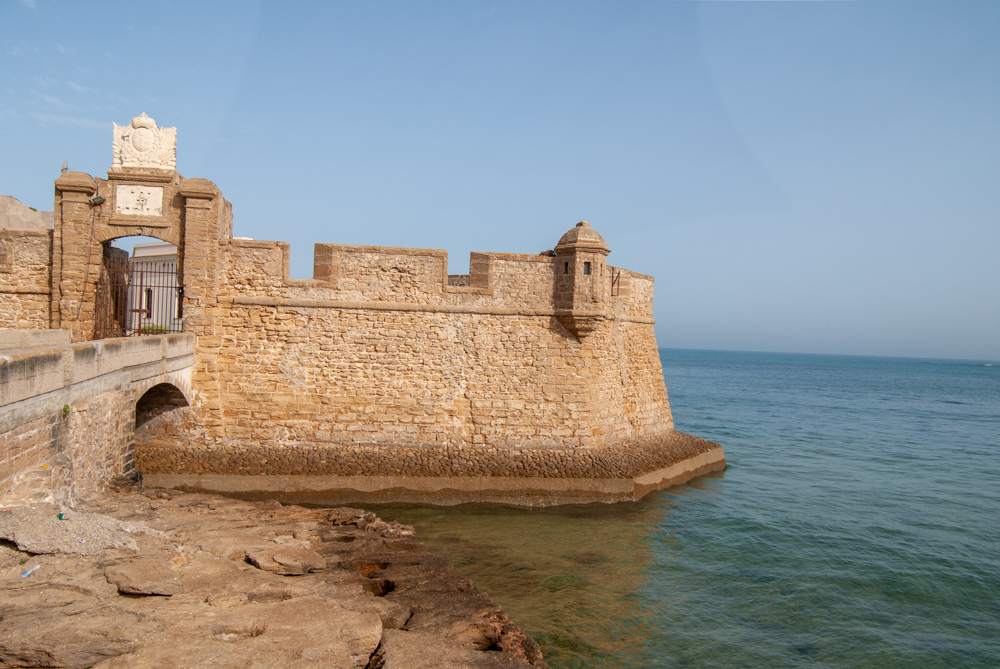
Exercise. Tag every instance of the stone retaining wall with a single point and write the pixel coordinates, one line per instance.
(380, 349)
(80, 447)
(30, 445)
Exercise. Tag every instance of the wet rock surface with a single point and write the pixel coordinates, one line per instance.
(170, 579)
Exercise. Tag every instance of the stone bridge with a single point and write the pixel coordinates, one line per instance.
(68, 412)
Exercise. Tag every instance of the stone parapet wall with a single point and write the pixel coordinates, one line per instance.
(14, 215)
(39, 380)
(254, 268)
(633, 295)
(380, 276)
(11, 340)
(25, 271)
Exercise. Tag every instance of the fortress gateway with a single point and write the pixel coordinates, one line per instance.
(534, 379)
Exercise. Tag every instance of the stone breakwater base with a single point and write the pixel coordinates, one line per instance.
(439, 475)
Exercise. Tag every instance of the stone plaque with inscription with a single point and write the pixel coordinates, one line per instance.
(139, 200)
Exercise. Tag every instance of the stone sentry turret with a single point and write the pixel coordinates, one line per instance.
(582, 284)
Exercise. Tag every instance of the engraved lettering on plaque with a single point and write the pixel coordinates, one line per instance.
(139, 200)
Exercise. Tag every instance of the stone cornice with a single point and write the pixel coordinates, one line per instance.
(200, 189)
(406, 306)
(141, 174)
(76, 182)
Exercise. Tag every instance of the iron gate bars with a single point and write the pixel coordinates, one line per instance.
(137, 296)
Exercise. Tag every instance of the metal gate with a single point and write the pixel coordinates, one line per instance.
(137, 296)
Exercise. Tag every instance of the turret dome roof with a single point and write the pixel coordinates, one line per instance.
(582, 236)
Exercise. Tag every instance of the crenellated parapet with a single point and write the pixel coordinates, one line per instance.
(572, 284)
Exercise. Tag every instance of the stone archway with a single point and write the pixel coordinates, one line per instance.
(158, 400)
(142, 196)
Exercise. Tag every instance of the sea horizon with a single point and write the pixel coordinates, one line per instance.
(841, 355)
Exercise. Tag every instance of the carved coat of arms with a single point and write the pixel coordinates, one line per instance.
(142, 144)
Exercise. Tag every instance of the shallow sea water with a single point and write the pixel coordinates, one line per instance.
(858, 525)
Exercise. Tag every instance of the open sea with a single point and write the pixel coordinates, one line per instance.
(858, 525)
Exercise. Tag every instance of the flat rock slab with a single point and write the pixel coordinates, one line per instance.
(304, 632)
(78, 611)
(286, 561)
(54, 625)
(39, 530)
(144, 576)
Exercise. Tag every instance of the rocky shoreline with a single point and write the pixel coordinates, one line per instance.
(143, 578)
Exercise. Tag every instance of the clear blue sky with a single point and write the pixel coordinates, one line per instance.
(798, 176)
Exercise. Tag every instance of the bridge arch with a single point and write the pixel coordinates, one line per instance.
(158, 400)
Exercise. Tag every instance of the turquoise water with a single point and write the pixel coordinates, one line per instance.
(858, 525)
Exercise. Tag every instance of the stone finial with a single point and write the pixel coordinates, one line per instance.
(142, 143)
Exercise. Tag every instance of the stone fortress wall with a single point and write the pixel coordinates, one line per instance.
(25, 265)
(381, 365)
(385, 351)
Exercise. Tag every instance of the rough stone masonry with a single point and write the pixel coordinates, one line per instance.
(533, 379)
